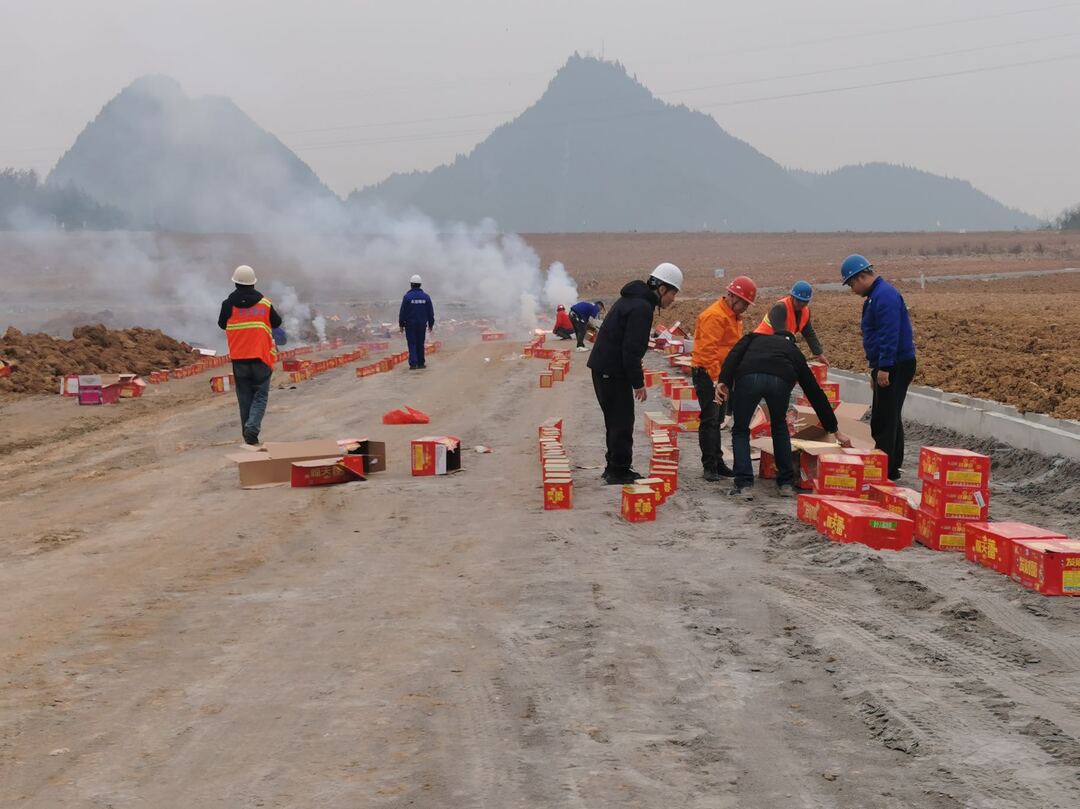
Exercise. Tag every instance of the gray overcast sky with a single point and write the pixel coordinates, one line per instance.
(331, 77)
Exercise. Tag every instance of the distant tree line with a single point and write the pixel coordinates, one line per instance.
(1070, 220)
(28, 204)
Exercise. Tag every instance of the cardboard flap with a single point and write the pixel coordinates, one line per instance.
(318, 448)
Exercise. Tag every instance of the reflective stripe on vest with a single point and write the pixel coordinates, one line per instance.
(249, 334)
(765, 327)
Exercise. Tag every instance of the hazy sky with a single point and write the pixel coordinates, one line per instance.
(363, 89)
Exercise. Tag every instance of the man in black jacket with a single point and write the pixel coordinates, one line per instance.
(615, 361)
(767, 366)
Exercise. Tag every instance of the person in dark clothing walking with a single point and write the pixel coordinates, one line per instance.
(889, 346)
(580, 314)
(249, 319)
(767, 366)
(416, 317)
(615, 361)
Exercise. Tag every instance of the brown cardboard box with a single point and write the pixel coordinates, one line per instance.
(271, 465)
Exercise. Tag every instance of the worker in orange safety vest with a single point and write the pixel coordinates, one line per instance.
(249, 320)
(719, 327)
(792, 314)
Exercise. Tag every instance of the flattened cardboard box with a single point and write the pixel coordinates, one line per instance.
(271, 465)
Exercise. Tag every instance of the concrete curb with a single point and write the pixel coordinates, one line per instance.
(979, 417)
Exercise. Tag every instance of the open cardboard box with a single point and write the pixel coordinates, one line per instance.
(271, 464)
(809, 440)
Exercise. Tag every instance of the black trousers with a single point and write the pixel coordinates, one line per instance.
(616, 398)
(712, 453)
(886, 424)
(581, 328)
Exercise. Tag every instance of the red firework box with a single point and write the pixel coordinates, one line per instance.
(990, 544)
(552, 427)
(550, 449)
(864, 523)
(808, 506)
(543, 353)
(683, 392)
(657, 485)
(838, 473)
(638, 504)
(686, 413)
(832, 393)
(558, 373)
(939, 534)
(491, 336)
(663, 449)
(875, 465)
(898, 499)
(323, 472)
(385, 365)
(366, 370)
(1047, 566)
(436, 455)
(651, 378)
(949, 502)
(820, 371)
(222, 384)
(69, 384)
(546, 379)
(668, 472)
(959, 468)
(558, 491)
(673, 347)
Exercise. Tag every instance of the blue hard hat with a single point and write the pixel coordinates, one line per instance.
(280, 337)
(802, 291)
(852, 266)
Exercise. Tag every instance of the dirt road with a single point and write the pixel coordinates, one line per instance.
(170, 640)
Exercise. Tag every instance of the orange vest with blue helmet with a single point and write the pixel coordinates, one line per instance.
(795, 322)
(249, 334)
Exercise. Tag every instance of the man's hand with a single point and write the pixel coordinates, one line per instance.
(431, 328)
(842, 439)
(821, 358)
(883, 379)
(721, 393)
(641, 394)
(402, 329)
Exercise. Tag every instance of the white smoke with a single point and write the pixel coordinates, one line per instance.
(176, 282)
(559, 287)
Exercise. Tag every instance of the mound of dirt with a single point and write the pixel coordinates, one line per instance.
(40, 358)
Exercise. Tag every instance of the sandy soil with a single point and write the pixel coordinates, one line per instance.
(172, 640)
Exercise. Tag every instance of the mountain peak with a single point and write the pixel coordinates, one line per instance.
(587, 79)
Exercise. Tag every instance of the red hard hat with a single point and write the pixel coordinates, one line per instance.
(744, 288)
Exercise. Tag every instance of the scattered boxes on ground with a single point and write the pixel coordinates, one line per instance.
(309, 463)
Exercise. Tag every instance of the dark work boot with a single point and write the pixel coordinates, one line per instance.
(711, 475)
(724, 471)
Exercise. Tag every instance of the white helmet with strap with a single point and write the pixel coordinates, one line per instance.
(668, 273)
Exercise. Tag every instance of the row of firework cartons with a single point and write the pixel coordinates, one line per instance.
(558, 370)
(681, 398)
(641, 500)
(555, 475)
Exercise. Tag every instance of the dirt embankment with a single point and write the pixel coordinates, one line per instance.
(1013, 346)
(40, 358)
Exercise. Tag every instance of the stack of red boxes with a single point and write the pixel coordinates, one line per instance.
(555, 467)
(664, 461)
(955, 491)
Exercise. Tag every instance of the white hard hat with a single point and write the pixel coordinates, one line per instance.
(244, 275)
(416, 280)
(668, 273)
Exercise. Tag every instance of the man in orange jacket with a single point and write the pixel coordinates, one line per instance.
(718, 329)
(792, 314)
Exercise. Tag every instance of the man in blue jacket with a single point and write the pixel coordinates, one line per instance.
(580, 315)
(890, 351)
(417, 315)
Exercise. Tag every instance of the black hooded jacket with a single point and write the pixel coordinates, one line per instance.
(776, 354)
(623, 338)
(244, 297)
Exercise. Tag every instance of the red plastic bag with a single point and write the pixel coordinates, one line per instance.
(405, 415)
